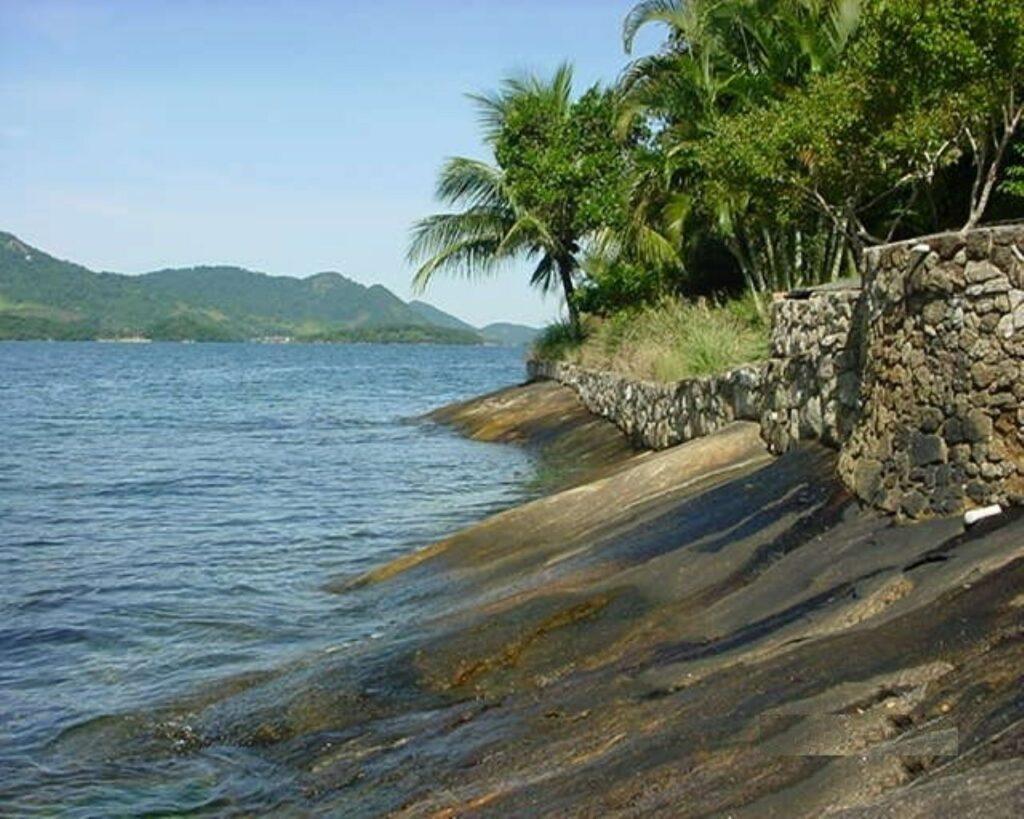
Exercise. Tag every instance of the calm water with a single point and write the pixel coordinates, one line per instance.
(170, 514)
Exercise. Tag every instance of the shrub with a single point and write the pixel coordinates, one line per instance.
(668, 341)
(557, 340)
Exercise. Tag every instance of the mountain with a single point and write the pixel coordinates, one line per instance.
(509, 335)
(501, 333)
(433, 315)
(45, 297)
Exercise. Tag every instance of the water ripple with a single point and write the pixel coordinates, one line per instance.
(169, 517)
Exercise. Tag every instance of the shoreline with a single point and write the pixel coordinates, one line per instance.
(253, 341)
(704, 630)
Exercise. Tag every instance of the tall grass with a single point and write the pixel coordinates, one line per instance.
(557, 341)
(667, 341)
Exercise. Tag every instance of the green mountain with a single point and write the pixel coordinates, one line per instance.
(502, 333)
(509, 335)
(45, 297)
(433, 315)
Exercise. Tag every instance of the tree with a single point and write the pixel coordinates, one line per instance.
(723, 59)
(558, 179)
(959, 72)
(929, 89)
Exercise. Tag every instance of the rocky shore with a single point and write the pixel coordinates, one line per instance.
(708, 630)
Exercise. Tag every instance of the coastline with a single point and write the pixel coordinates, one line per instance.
(706, 630)
(799, 654)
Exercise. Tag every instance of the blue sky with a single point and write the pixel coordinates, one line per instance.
(288, 137)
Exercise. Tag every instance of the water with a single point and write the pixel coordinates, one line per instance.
(170, 515)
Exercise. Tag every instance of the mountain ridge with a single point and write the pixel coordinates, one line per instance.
(42, 296)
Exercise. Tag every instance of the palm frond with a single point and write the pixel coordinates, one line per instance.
(560, 85)
(491, 228)
(432, 236)
(471, 258)
(492, 111)
(650, 247)
(471, 182)
(672, 13)
(524, 234)
(544, 275)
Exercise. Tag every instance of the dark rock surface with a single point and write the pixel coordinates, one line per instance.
(574, 445)
(701, 632)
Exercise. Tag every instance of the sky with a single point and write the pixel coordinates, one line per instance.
(287, 137)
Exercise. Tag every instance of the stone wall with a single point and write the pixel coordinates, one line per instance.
(803, 391)
(942, 388)
(812, 377)
(919, 379)
(657, 416)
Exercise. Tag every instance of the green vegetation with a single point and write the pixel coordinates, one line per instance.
(665, 341)
(763, 147)
(44, 297)
(411, 334)
(560, 176)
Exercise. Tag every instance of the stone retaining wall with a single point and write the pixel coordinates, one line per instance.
(812, 380)
(803, 391)
(657, 416)
(919, 379)
(942, 394)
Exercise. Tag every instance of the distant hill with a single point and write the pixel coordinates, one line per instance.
(45, 297)
(502, 333)
(509, 335)
(431, 314)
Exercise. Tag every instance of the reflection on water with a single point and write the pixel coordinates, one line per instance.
(169, 517)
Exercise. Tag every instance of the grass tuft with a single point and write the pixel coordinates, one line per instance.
(665, 342)
(556, 341)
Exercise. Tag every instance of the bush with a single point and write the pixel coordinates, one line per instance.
(612, 286)
(668, 341)
(556, 341)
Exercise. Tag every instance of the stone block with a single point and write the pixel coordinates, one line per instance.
(976, 272)
(931, 419)
(867, 478)
(927, 449)
(914, 504)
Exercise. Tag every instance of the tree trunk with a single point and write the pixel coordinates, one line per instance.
(565, 268)
(748, 276)
(985, 182)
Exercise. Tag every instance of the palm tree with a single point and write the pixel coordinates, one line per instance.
(487, 227)
(722, 57)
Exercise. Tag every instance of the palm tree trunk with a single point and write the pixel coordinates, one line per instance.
(565, 269)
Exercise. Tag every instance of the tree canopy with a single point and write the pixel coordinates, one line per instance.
(558, 176)
(764, 145)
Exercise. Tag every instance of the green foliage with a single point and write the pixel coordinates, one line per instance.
(560, 176)
(563, 164)
(1014, 182)
(556, 341)
(920, 91)
(724, 60)
(412, 334)
(191, 327)
(615, 284)
(16, 325)
(667, 341)
(790, 133)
